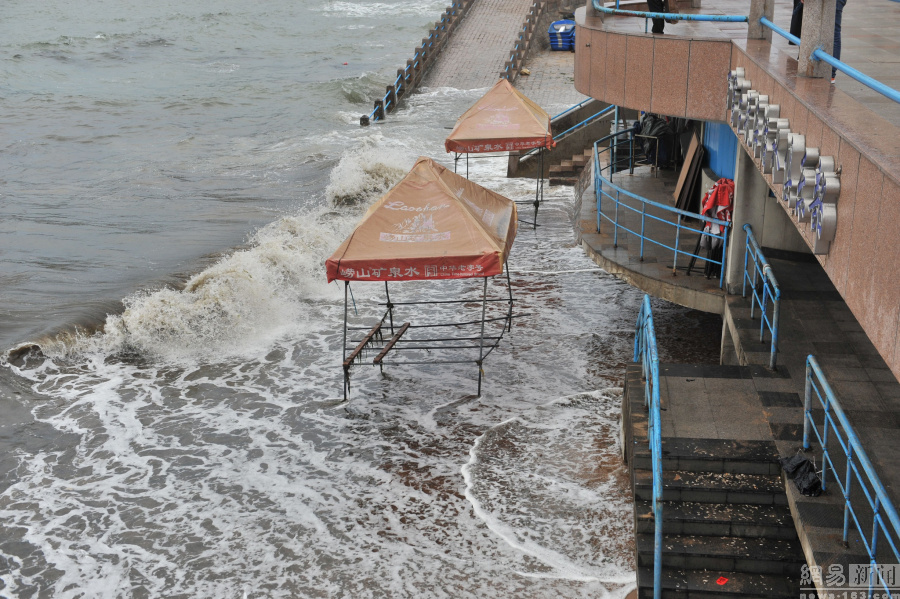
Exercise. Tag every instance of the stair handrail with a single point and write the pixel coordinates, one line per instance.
(645, 352)
(601, 182)
(885, 520)
(579, 105)
(585, 122)
(820, 54)
(598, 6)
(753, 255)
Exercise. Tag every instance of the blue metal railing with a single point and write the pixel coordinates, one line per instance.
(645, 352)
(820, 54)
(762, 291)
(585, 122)
(531, 19)
(446, 17)
(600, 182)
(788, 36)
(859, 478)
(874, 84)
(579, 105)
(598, 6)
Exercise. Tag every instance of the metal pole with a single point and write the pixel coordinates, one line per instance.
(390, 306)
(615, 142)
(344, 345)
(724, 256)
(467, 165)
(807, 408)
(631, 154)
(481, 342)
(509, 288)
(616, 227)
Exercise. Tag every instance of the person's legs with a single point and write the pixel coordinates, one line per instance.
(796, 20)
(657, 6)
(838, 14)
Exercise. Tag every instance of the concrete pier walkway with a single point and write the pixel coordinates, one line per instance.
(480, 46)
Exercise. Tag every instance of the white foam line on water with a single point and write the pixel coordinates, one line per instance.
(563, 567)
(555, 272)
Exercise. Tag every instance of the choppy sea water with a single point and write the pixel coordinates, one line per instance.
(176, 177)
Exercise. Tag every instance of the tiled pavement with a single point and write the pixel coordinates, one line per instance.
(480, 46)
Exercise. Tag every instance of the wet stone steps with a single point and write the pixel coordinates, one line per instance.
(691, 584)
(714, 455)
(714, 519)
(729, 554)
(727, 527)
(712, 487)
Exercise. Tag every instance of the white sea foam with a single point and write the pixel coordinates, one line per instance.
(545, 481)
(197, 446)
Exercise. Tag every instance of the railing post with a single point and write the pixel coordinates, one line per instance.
(807, 405)
(643, 220)
(825, 458)
(758, 9)
(817, 32)
(631, 153)
(616, 228)
(677, 241)
(724, 255)
(848, 480)
(776, 310)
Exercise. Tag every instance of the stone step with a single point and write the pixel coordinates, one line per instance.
(562, 180)
(727, 554)
(712, 455)
(711, 487)
(688, 584)
(722, 520)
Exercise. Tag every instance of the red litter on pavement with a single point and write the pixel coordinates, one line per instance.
(722, 580)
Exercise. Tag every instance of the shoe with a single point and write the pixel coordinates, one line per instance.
(832, 81)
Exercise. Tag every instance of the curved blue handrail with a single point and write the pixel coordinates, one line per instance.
(645, 352)
(885, 522)
(580, 104)
(586, 121)
(600, 182)
(770, 290)
(598, 6)
(881, 88)
(820, 54)
(788, 36)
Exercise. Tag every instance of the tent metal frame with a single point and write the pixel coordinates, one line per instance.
(374, 338)
(539, 183)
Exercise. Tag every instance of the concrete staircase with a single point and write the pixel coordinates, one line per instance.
(568, 171)
(727, 527)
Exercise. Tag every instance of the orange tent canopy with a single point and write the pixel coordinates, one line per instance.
(502, 120)
(433, 224)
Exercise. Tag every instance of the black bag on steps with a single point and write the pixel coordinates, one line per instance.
(803, 473)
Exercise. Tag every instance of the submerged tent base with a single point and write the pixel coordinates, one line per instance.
(375, 338)
(538, 184)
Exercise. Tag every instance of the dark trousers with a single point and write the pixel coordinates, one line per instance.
(657, 6)
(838, 15)
(797, 25)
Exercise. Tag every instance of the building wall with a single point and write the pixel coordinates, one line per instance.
(687, 78)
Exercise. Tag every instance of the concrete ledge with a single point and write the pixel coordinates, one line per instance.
(672, 292)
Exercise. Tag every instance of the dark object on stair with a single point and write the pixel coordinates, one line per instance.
(657, 140)
(803, 473)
